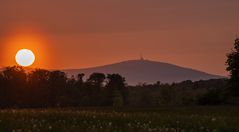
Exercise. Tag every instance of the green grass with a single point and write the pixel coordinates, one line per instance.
(171, 119)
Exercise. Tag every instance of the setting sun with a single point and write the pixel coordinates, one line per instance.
(25, 57)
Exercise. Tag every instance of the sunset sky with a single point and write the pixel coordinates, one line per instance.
(85, 33)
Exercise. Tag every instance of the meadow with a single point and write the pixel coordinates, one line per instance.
(164, 119)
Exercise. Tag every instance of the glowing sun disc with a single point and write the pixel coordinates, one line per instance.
(25, 57)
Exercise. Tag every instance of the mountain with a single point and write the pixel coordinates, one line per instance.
(145, 71)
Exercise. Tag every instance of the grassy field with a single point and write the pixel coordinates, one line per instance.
(171, 119)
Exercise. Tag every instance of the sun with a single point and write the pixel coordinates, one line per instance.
(25, 57)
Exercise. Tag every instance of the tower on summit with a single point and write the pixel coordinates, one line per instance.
(141, 57)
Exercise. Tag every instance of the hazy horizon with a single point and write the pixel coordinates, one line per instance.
(81, 34)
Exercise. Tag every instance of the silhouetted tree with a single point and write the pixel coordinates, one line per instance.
(117, 91)
(1, 80)
(15, 85)
(95, 85)
(80, 80)
(71, 82)
(2, 91)
(57, 87)
(81, 95)
(233, 67)
(15, 74)
(74, 88)
(38, 81)
(39, 76)
(96, 79)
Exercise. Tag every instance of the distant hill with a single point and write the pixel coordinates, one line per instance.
(145, 71)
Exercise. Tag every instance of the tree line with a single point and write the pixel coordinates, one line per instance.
(43, 88)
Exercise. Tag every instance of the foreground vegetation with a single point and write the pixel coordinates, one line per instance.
(163, 119)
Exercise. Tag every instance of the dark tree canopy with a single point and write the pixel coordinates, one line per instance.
(233, 67)
(38, 77)
(14, 74)
(42, 88)
(80, 78)
(117, 90)
(96, 79)
(116, 81)
(1, 79)
(233, 61)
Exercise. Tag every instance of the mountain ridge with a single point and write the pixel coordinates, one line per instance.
(147, 71)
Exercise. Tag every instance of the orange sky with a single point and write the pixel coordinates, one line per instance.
(77, 34)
